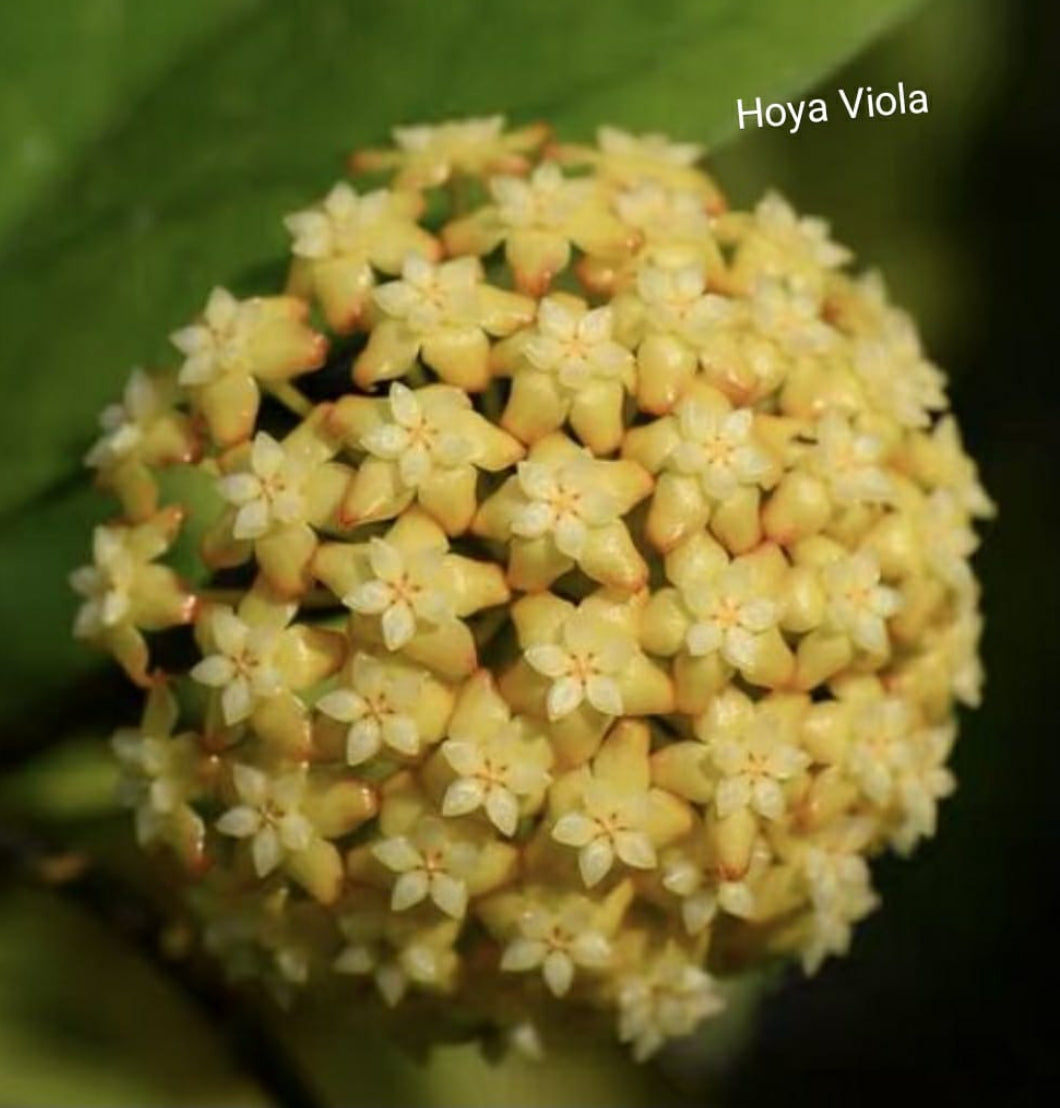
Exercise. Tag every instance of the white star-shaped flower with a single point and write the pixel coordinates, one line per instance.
(584, 666)
(718, 448)
(379, 707)
(857, 603)
(558, 943)
(562, 501)
(728, 615)
(404, 593)
(269, 815)
(270, 492)
(420, 436)
(244, 665)
(429, 864)
(575, 346)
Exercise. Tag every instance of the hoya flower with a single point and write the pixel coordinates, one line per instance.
(581, 667)
(941, 463)
(284, 824)
(668, 315)
(840, 887)
(435, 861)
(427, 154)
(341, 243)
(570, 367)
(922, 782)
(444, 314)
(719, 615)
(708, 462)
(268, 815)
(144, 430)
(752, 772)
(668, 219)
(666, 996)
(423, 445)
(257, 662)
(886, 337)
(849, 462)
(610, 813)
(948, 539)
(499, 764)
(685, 872)
(623, 158)
(858, 604)
(777, 242)
(410, 594)
(880, 749)
(398, 951)
(126, 593)
(388, 706)
(162, 775)
(588, 623)
(279, 496)
(563, 507)
(237, 344)
(538, 218)
(560, 942)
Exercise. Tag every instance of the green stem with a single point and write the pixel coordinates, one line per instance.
(287, 395)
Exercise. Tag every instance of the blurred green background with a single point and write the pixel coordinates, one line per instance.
(149, 150)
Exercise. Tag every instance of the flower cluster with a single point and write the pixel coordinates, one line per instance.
(583, 596)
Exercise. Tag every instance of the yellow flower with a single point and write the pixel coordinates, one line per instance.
(539, 219)
(496, 763)
(666, 995)
(424, 445)
(752, 771)
(143, 431)
(409, 594)
(430, 154)
(888, 358)
(126, 593)
(686, 872)
(443, 314)
(279, 495)
(340, 243)
(560, 936)
(849, 462)
(840, 889)
(581, 667)
(858, 606)
(397, 951)
(609, 812)
(940, 462)
(569, 367)
(387, 703)
(606, 642)
(708, 462)
(564, 508)
(162, 776)
(238, 343)
(719, 614)
(922, 782)
(257, 662)
(667, 316)
(286, 823)
(623, 158)
(777, 242)
(424, 858)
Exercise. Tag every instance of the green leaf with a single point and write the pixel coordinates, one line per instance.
(74, 69)
(181, 140)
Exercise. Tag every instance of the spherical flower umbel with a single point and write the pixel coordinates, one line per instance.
(556, 595)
